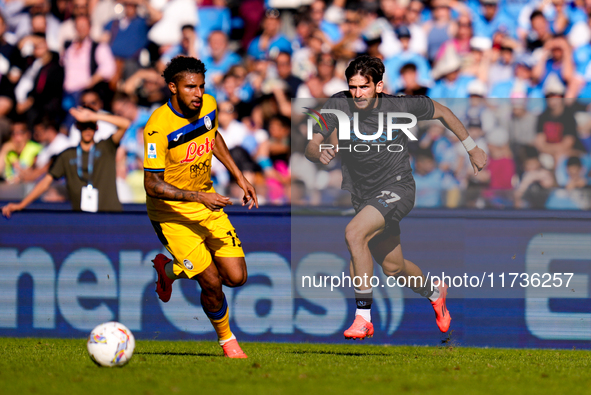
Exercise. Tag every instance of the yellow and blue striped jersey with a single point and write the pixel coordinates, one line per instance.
(182, 148)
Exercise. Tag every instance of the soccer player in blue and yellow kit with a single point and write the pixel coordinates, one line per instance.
(186, 212)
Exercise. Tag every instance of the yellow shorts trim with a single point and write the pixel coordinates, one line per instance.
(192, 244)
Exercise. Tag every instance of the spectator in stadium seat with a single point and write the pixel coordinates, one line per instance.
(10, 56)
(87, 64)
(147, 88)
(450, 82)
(128, 36)
(539, 32)
(75, 165)
(101, 13)
(283, 64)
(213, 16)
(521, 85)
(174, 15)
(412, 14)
(67, 30)
(9, 70)
(279, 153)
(252, 13)
(325, 83)
(461, 39)
(331, 30)
(220, 58)
(92, 100)
(571, 196)
(502, 69)
(54, 143)
(191, 45)
(501, 170)
(521, 125)
(490, 20)
(556, 58)
(440, 29)
(395, 63)
(39, 91)
(410, 85)
(352, 42)
(435, 140)
(21, 21)
(536, 183)
(562, 16)
(556, 127)
(271, 39)
(131, 150)
(431, 183)
(18, 153)
(304, 26)
(576, 174)
(304, 59)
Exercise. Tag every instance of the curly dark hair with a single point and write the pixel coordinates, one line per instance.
(367, 66)
(182, 64)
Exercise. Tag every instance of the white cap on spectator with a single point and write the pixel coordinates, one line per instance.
(583, 119)
(553, 85)
(448, 63)
(497, 137)
(579, 35)
(477, 88)
(481, 43)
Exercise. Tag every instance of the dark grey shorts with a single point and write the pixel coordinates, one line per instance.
(394, 202)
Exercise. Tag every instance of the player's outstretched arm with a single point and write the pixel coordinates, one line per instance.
(450, 121)
(156, 187)
(220, 150)
(317, 155)
(37, 191)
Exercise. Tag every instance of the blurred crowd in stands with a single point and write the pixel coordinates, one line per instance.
(516, 72)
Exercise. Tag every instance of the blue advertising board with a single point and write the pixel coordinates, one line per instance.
(62, 273)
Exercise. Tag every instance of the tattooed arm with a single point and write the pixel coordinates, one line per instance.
(157, 188)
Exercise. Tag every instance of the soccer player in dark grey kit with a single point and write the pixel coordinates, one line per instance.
(381, 182)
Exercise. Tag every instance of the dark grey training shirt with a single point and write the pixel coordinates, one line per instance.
(364, 173)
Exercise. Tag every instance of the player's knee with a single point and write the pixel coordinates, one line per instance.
(393, 269)
(354, 237)
(235, 280)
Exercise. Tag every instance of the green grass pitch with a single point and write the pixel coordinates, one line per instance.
(62, 366)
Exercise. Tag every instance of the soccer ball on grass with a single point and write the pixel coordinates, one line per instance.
(110, 344)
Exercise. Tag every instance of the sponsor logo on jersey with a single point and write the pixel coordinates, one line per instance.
(152, 151)
(188, 264)
(178, 136)
(207, 122)
(194, 150)
(199, 169)
(152, 133)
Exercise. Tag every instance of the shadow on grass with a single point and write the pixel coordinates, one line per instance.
(181, 354)
(346, 354)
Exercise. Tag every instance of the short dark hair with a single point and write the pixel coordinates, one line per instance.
(424, 153)
(180, 65)
(86, 125)
(408, 67)
(190, 27)
(92, 91)
(367, 66)
(536, 14)
(574, 161)
(282, 119)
